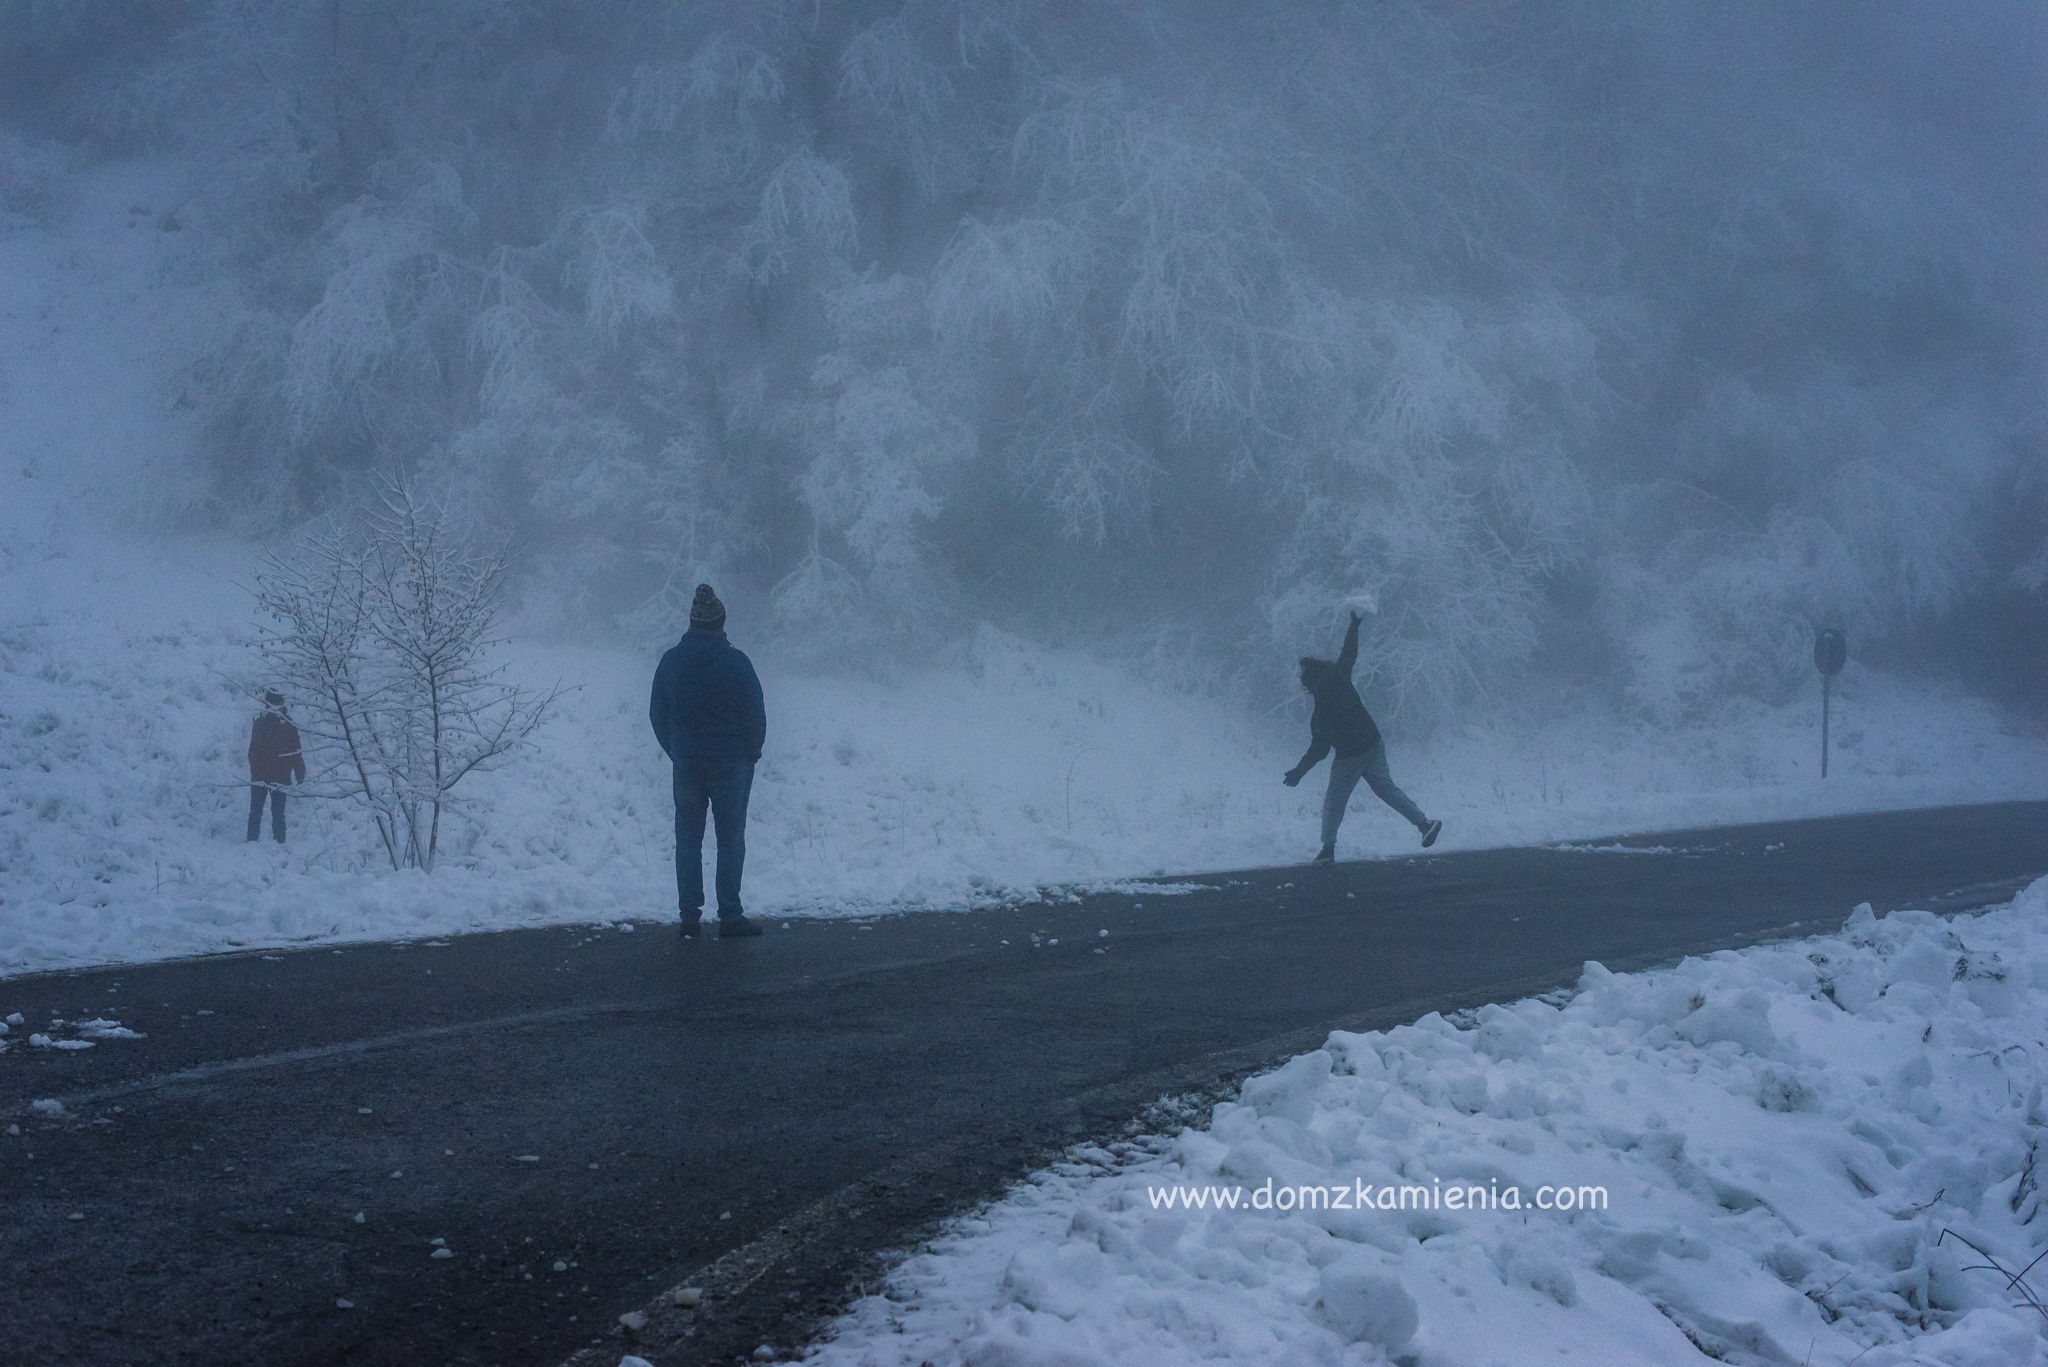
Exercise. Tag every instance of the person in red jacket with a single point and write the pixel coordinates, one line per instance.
(275, 763)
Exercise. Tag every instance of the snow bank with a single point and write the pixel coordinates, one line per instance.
(1794, 1143)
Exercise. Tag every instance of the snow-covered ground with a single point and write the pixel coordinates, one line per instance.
(124, 719)
(1811, 1152)
(123, 787)
(126, 702)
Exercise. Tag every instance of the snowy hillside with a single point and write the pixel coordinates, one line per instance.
(1000, 769)
(122, 781)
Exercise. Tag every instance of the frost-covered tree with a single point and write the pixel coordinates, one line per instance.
(1622, 341)
(386, 630)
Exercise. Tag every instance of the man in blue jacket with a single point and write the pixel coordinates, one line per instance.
(1341, 723)
(708, 715)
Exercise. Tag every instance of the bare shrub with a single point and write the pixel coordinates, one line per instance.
(385, 630)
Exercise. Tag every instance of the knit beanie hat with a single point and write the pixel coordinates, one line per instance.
(274, 698)
(706, 611)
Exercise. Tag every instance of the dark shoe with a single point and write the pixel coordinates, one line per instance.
(1431, 832)
(736, 928)
(1326, 855)
(693, 927)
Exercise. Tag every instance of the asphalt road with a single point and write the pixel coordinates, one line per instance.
(587, 1118)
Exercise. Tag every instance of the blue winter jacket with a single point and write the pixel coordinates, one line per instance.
(707, 700)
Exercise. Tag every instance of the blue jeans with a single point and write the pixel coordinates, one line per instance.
(275, 792)
(1370, 765)
(723, 785)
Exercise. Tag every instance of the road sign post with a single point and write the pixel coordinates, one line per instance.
(1830, 653)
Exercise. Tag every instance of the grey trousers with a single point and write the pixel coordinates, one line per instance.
(1370, 765)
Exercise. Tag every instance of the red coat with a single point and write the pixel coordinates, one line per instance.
(274, 751)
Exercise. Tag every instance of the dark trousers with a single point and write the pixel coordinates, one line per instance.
(276, 792)
(723, 785)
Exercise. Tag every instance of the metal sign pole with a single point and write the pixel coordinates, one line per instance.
(1830, 653)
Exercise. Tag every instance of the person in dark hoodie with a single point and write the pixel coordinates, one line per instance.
(709, 718)
(1340, 723)
(275, 763)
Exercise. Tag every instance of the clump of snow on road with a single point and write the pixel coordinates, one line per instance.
(1795, 1141)
(70, 1035)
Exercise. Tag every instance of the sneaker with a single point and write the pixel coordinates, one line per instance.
(736, 928)
(1326, 855)
(1431, 832)
(693, 927)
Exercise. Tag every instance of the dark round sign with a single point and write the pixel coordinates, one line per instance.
(1830, 651)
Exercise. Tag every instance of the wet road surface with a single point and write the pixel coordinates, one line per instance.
(486, 1150)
